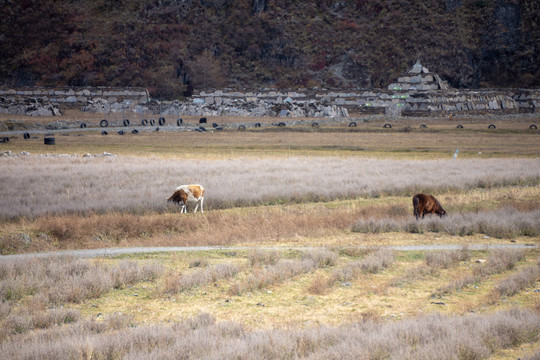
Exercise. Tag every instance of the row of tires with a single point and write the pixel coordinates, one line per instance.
(423, 126)
(161, 121)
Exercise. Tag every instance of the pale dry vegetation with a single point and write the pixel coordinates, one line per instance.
(470, 336)
(502, 223)
(340, 302)
(37, 294)
(46, 284)
(34, 185)
(499, 261)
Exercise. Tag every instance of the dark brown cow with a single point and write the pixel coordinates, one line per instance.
(426, 204)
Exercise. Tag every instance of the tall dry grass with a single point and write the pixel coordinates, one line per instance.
(472, 336)
(373, 262)
(37, 185)
(501, 223)
(48, 283)
(283, 269)
(182, 282)
(499, 260)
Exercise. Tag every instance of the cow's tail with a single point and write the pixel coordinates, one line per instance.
(415, 201)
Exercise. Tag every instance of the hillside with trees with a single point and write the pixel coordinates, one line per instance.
(173, 47)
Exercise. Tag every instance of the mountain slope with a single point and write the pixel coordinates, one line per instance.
(175, 46)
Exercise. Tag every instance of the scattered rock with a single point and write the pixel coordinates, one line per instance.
(25, 238)
(28, 106)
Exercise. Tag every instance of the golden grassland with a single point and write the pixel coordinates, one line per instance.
(305, 224)
(292, 303)
(511, 138)
(403, 290)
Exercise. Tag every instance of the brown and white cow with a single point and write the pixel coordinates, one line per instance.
(188, 194)
(426, 204)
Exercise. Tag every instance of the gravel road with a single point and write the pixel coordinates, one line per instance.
(93, 253)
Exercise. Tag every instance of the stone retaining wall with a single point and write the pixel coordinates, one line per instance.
(391, 102)
(75, 96)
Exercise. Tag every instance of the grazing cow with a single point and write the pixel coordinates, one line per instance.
(185, 194)
(426, 204)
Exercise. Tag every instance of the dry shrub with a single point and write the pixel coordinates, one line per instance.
(109, 227)
(23, 321)
(443, 259)
(372, 263)
(435, 336)
(321, 257)
(199, 262)
(55, 280)
(519, 281)
(175, 283)
(320, 286)
(535, 356)
(499, 260)
(356, 251)
(273, 274)
(258, 257)
(129, 272)
(457, 285)
(377, 261)
(502, 223)
(414, 273)
(171, 284)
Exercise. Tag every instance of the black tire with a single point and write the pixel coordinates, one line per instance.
(202, 128)
(144, 122)
(242, 128)
(179, 122)
(121, 132)
(26, 135)
(83, 125)
(161, 121)
(215, 125)
(134, 131)
(103, 132)
(49, 141)
(315, 124)
(103, 123)
(352, 124)
(157, 129)
(459, 126)
(281, 124)
(491, 126)
(203, 120)
(198, 130)
(533, 127)
(257, 124)
(5, 139)
(423, 126)
(219, 128)
(152, 122)
(126, 122)
(387, 126)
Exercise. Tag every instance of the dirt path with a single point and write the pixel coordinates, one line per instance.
(92, 253)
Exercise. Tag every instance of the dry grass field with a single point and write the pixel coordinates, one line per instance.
(327, 200)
